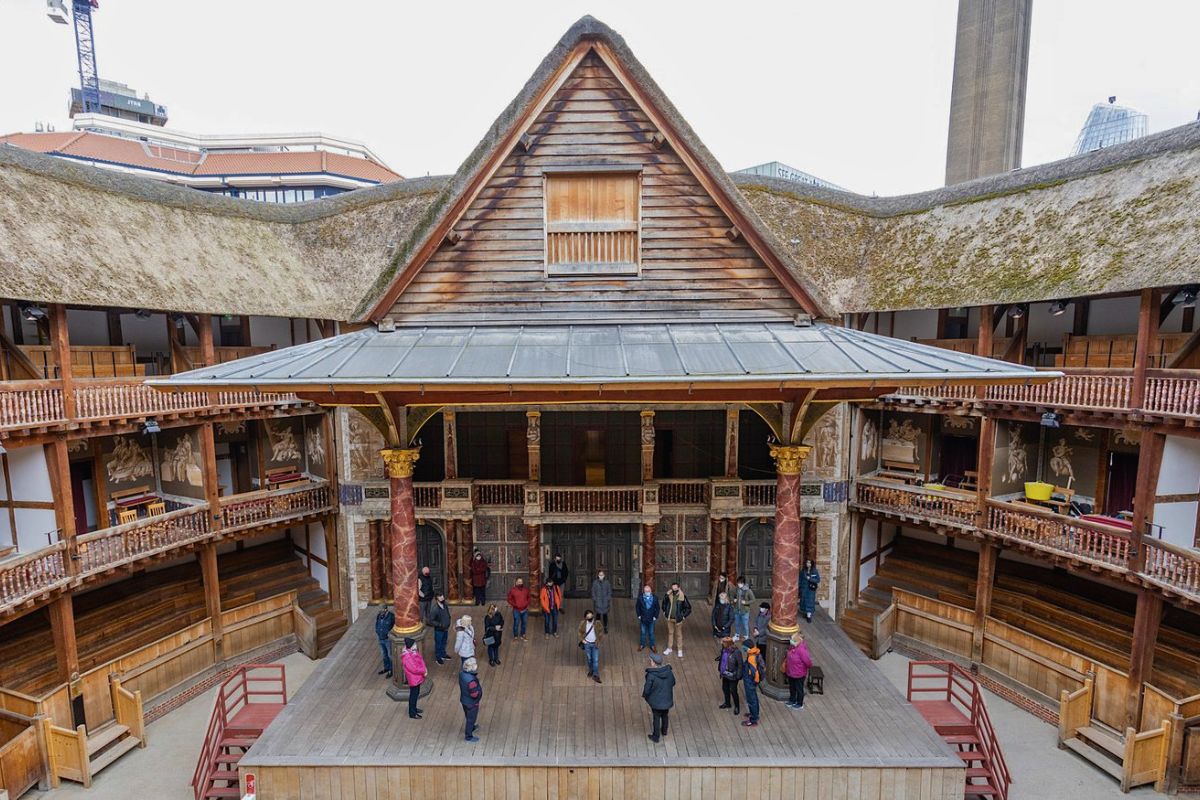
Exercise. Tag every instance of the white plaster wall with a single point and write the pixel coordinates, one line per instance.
(1113, 315)
(1179, 474)
(36, 528)
(148, 335)
(267, 331)
(87, 327)
(915, 325)
(1048, 329)
(30, 475)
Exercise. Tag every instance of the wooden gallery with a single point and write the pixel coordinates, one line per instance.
(974, 410)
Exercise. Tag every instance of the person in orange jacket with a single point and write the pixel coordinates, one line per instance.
(551, 597)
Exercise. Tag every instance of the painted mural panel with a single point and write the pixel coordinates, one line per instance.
(179, 465)
(283, 443)
(1015, 461)
(905, 439)
(365, 442)
(1072, 458)
(128, 463)
(316, 449)
(866, 451)
(823, 461)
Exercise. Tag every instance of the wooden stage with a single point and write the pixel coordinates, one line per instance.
(549, 732)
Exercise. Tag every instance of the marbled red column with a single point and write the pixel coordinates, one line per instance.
(785, 571)
(403, 541)
(649, 554)
(452, 583)
(533, 537)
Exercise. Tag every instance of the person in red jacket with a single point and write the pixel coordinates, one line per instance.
(480, 572)
(518, 599)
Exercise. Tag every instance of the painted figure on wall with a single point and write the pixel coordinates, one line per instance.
(283, 441)
(826, 445)
(128, 461)
(1060, 461)
(900, 443)
(181, 463)
(314, 447)
(365, 443)
(869, 450)
(1018, 456)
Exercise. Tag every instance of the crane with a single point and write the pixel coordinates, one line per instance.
(85, 47)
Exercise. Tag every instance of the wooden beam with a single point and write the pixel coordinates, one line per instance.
(983, 469)
(208, 465)
(62, 628)
(1079, 326)
(207, 556)
(204, 333)
(64, 500)
(60, 346)
(1181, 355)
(116, 336)
(1015, 352)
(1145, 489)
(8, 492)
(1166, 305)
(985, 579)
(333, 562)
(1147, 334)
(1146, 621)
(987, 328)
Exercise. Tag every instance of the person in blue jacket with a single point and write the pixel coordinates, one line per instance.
(647, 609)
(470, 695)
(384, 621)
(810, 579)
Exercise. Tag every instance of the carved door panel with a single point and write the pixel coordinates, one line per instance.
(755, 549)
(431, 552)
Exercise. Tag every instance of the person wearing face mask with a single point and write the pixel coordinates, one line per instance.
(743, 602)
(589, 643)
(810, 579)
(557, 572)
(602, 598)
(647, 609)
(518, 599)
(722, 617)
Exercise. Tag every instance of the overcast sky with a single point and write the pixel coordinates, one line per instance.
(855, 92)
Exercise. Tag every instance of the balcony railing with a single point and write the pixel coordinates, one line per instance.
(25, 577)
(1175, 567)
(269, 506)
(427, 495)
(1045, 530)
(959, 508)
(123, 544)
(1173, 392)
(938, 392)
(683, 492)
(756, 494)
(591, 499)
(31, 404)
(498, 493)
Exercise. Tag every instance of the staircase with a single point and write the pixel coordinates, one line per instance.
(1101, 746)
(78, 755)
(246, 704)
(949, 699)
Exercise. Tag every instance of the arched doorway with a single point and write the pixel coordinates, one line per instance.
(431, 552)
(755, 543)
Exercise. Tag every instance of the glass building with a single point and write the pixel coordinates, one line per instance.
(1109, 124)
(775, 169)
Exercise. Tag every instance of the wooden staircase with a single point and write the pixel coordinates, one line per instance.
(246, 704)
(949, 699)
(78, 755)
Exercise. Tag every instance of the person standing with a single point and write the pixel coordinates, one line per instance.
(425, 592)
(760, 626)
(810, 579)
(589, 641)
(796, 667)
(729, 667)
(602, 597)
(743, 602)
(722, 586)
(470, 695)
(414, 675)
(518, 600)
(464, 638)
(480, 572)
(676, 608)
(384, 621)
(557, 571)
(439, 620)
(722, 617)
(752, 674)
(551, 597)
(659, 693)
(647, 609)
(493, 629)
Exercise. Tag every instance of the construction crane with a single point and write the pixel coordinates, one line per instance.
(85, 47)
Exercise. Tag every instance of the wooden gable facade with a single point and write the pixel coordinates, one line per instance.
(592, 215)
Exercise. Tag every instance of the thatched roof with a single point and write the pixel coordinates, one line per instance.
(79, 235)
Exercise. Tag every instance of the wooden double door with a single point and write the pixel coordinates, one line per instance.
(431, 552)
(756, 552)
(587, 548)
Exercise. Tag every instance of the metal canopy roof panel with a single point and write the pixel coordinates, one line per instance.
(685, 352)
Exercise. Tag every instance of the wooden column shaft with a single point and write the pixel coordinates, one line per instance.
(732, 421)
(647, 446)
(983, 468)
(450, 443)
(1147, 334)
(1146, 621)
(985, 581)
(208, 355)
(1145, 488)
(731, 548)
(533, 440)
(60, 346)
(332, 561)
(210, 577)
(62, 628)
(59, 466)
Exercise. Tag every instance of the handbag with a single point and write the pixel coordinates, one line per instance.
(488, 641)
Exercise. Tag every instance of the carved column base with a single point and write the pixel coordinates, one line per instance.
(398, 687)
(776, 685)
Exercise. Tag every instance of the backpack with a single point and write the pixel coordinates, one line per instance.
(753, 670)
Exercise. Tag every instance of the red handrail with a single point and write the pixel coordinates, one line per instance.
(233, 696)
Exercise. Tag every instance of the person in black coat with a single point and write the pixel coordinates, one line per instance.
(647, 609)
(722, 616)
(384, 621)
(470, 695)
(730, 668)
(425, 592)
(557, 571)
(493, 628)
(659, 693)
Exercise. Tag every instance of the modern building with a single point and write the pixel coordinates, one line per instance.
(776, 169)
(1109, 124)
(987, 96)
(122, 102)
(278, 168)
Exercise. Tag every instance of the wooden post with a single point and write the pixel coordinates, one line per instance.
(983, 469)
(450, 443)
(1146, 621)
(1147, 335)
(731, 551)
(533, 439)
(212, 486)
(207, 556)
(1150, 453)
(648, 451)
(64, 501)
(116, 336)
(732, 418)
(983, 345)
(62, 627)
(649, 560)
(332, 562)
(860, 524)
(1079, 325)
(60, 347)
(204, 333)
(985, 580)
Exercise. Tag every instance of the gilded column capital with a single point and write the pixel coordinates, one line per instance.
(789, 458)
(400, 461)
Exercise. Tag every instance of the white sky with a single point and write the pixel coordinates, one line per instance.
(855, 92)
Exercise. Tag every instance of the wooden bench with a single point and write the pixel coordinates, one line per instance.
(816, 680)
(280, 477)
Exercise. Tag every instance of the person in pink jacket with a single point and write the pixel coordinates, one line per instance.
(413, 664)
(796, 668)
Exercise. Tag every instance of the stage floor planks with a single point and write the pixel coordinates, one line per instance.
(544, 722)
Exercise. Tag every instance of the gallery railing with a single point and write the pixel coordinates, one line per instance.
(498, 493)
(26, 577)
(945, 505)
(757, 494)
(692, 492)
(1044, 530)
(591, 499)
(270, 506)
(1173, 567)
(123, 544)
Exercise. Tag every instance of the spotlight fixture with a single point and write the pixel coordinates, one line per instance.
(1051, 420)
(1186, 297)
(142, 313)
(151, 426)
(31, 312)
(1016, 311)
(1058, 308)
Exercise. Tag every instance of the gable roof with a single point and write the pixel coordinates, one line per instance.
(588, 34)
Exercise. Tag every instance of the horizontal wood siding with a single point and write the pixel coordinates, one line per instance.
(498, 269)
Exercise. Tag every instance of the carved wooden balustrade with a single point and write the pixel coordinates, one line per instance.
(427, 495)
(270, 506)
(26, 577)
(1047, 531)
(123, 544)
(680, 492)
(1171, 566)
(114, 399)
(959, 508)
(938, 392)
(1173, 392)
(498, 493)
(756, 494)
(591, 499)
(25, 404)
